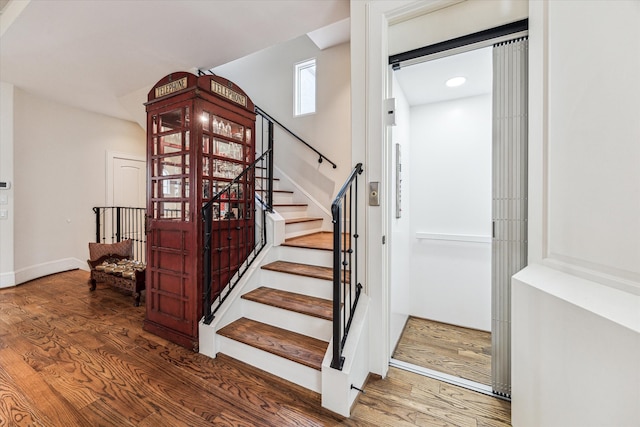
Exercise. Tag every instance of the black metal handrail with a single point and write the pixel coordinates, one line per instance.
(117, 223)
(266, 115)
(214, 285)
(344, 211)
(321, 156)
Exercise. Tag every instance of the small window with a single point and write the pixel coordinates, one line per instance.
(305, 89)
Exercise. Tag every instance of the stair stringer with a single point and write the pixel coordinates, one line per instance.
(314, 209)
(337, 394)
(231, 310)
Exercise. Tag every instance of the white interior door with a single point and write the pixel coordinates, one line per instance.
(128, 182)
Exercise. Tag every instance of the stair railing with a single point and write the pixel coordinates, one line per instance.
(216, 288)
(321, 156)
(264, 114)
(346, 287)
(117, 223)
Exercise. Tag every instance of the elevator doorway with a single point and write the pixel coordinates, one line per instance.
(459, 161)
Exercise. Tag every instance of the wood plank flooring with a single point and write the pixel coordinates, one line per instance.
(70, 357)
(450, 349)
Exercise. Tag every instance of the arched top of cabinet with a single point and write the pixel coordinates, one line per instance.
(182, 82)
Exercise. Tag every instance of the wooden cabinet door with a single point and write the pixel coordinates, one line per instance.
(173, 298)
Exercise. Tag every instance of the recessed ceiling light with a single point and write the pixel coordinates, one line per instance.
(456, 81)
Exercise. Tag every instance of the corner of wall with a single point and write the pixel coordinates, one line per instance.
(337, 393)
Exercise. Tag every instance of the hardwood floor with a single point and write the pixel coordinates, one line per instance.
(71, 357)
(450, 349)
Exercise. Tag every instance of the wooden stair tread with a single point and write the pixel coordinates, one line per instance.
(289, 204)
(300, 220)
(275, 191)
(322, 240)
(296, 347)
(304, 304)
(307, 270)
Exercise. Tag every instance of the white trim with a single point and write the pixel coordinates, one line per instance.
(7, 280)
(469, 238)
(110, 156)
(46, 268)
(416, 9)
(298, 68)
(304, 192)
(449, 379)
(625, 281)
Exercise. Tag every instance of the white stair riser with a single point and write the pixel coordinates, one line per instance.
(262, 185)
(301, 228)
(283, 198)
(291, 211)
(305, 256)
(299, 284)
(290, 320)
(291, 371)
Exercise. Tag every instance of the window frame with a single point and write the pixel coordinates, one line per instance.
(298, 91)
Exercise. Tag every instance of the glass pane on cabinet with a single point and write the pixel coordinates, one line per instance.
(229, 149)
(206, 145)
(169, 166)
(224, 148)
(236, 191)
(205, 119)
(186, 141)
(226, 169)
(170, 210)
(206, 166)
(171, 120)
(169, 188)
(227, 128)
(186, 211)
(171, 143)
(206, 189)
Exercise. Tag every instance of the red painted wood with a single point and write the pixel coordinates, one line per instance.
(183, 151)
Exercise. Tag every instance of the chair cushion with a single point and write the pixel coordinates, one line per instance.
(124, 248)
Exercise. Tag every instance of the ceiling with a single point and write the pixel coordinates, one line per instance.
(424, 83)
(104, 55)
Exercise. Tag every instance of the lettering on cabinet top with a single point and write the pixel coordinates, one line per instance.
(226, 92)
(171, 87)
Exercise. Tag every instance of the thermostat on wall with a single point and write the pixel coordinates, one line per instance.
(5, 185)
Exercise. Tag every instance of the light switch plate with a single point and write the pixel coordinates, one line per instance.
(4, 199)
(4, 214)
(374, 194)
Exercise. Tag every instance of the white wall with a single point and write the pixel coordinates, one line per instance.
(400, 241)
(60, 169)
(451, 166)
(7, 276)
(577, 306)
(267, 77)
(450, 182)
(460, 18)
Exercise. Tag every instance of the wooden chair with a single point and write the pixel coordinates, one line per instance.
(112, 263)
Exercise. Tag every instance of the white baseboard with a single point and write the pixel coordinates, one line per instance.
(7, 279)
(46, 268)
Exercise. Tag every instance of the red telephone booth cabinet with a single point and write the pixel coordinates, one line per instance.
(200, 136)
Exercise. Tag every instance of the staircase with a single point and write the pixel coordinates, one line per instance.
(284, 322)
